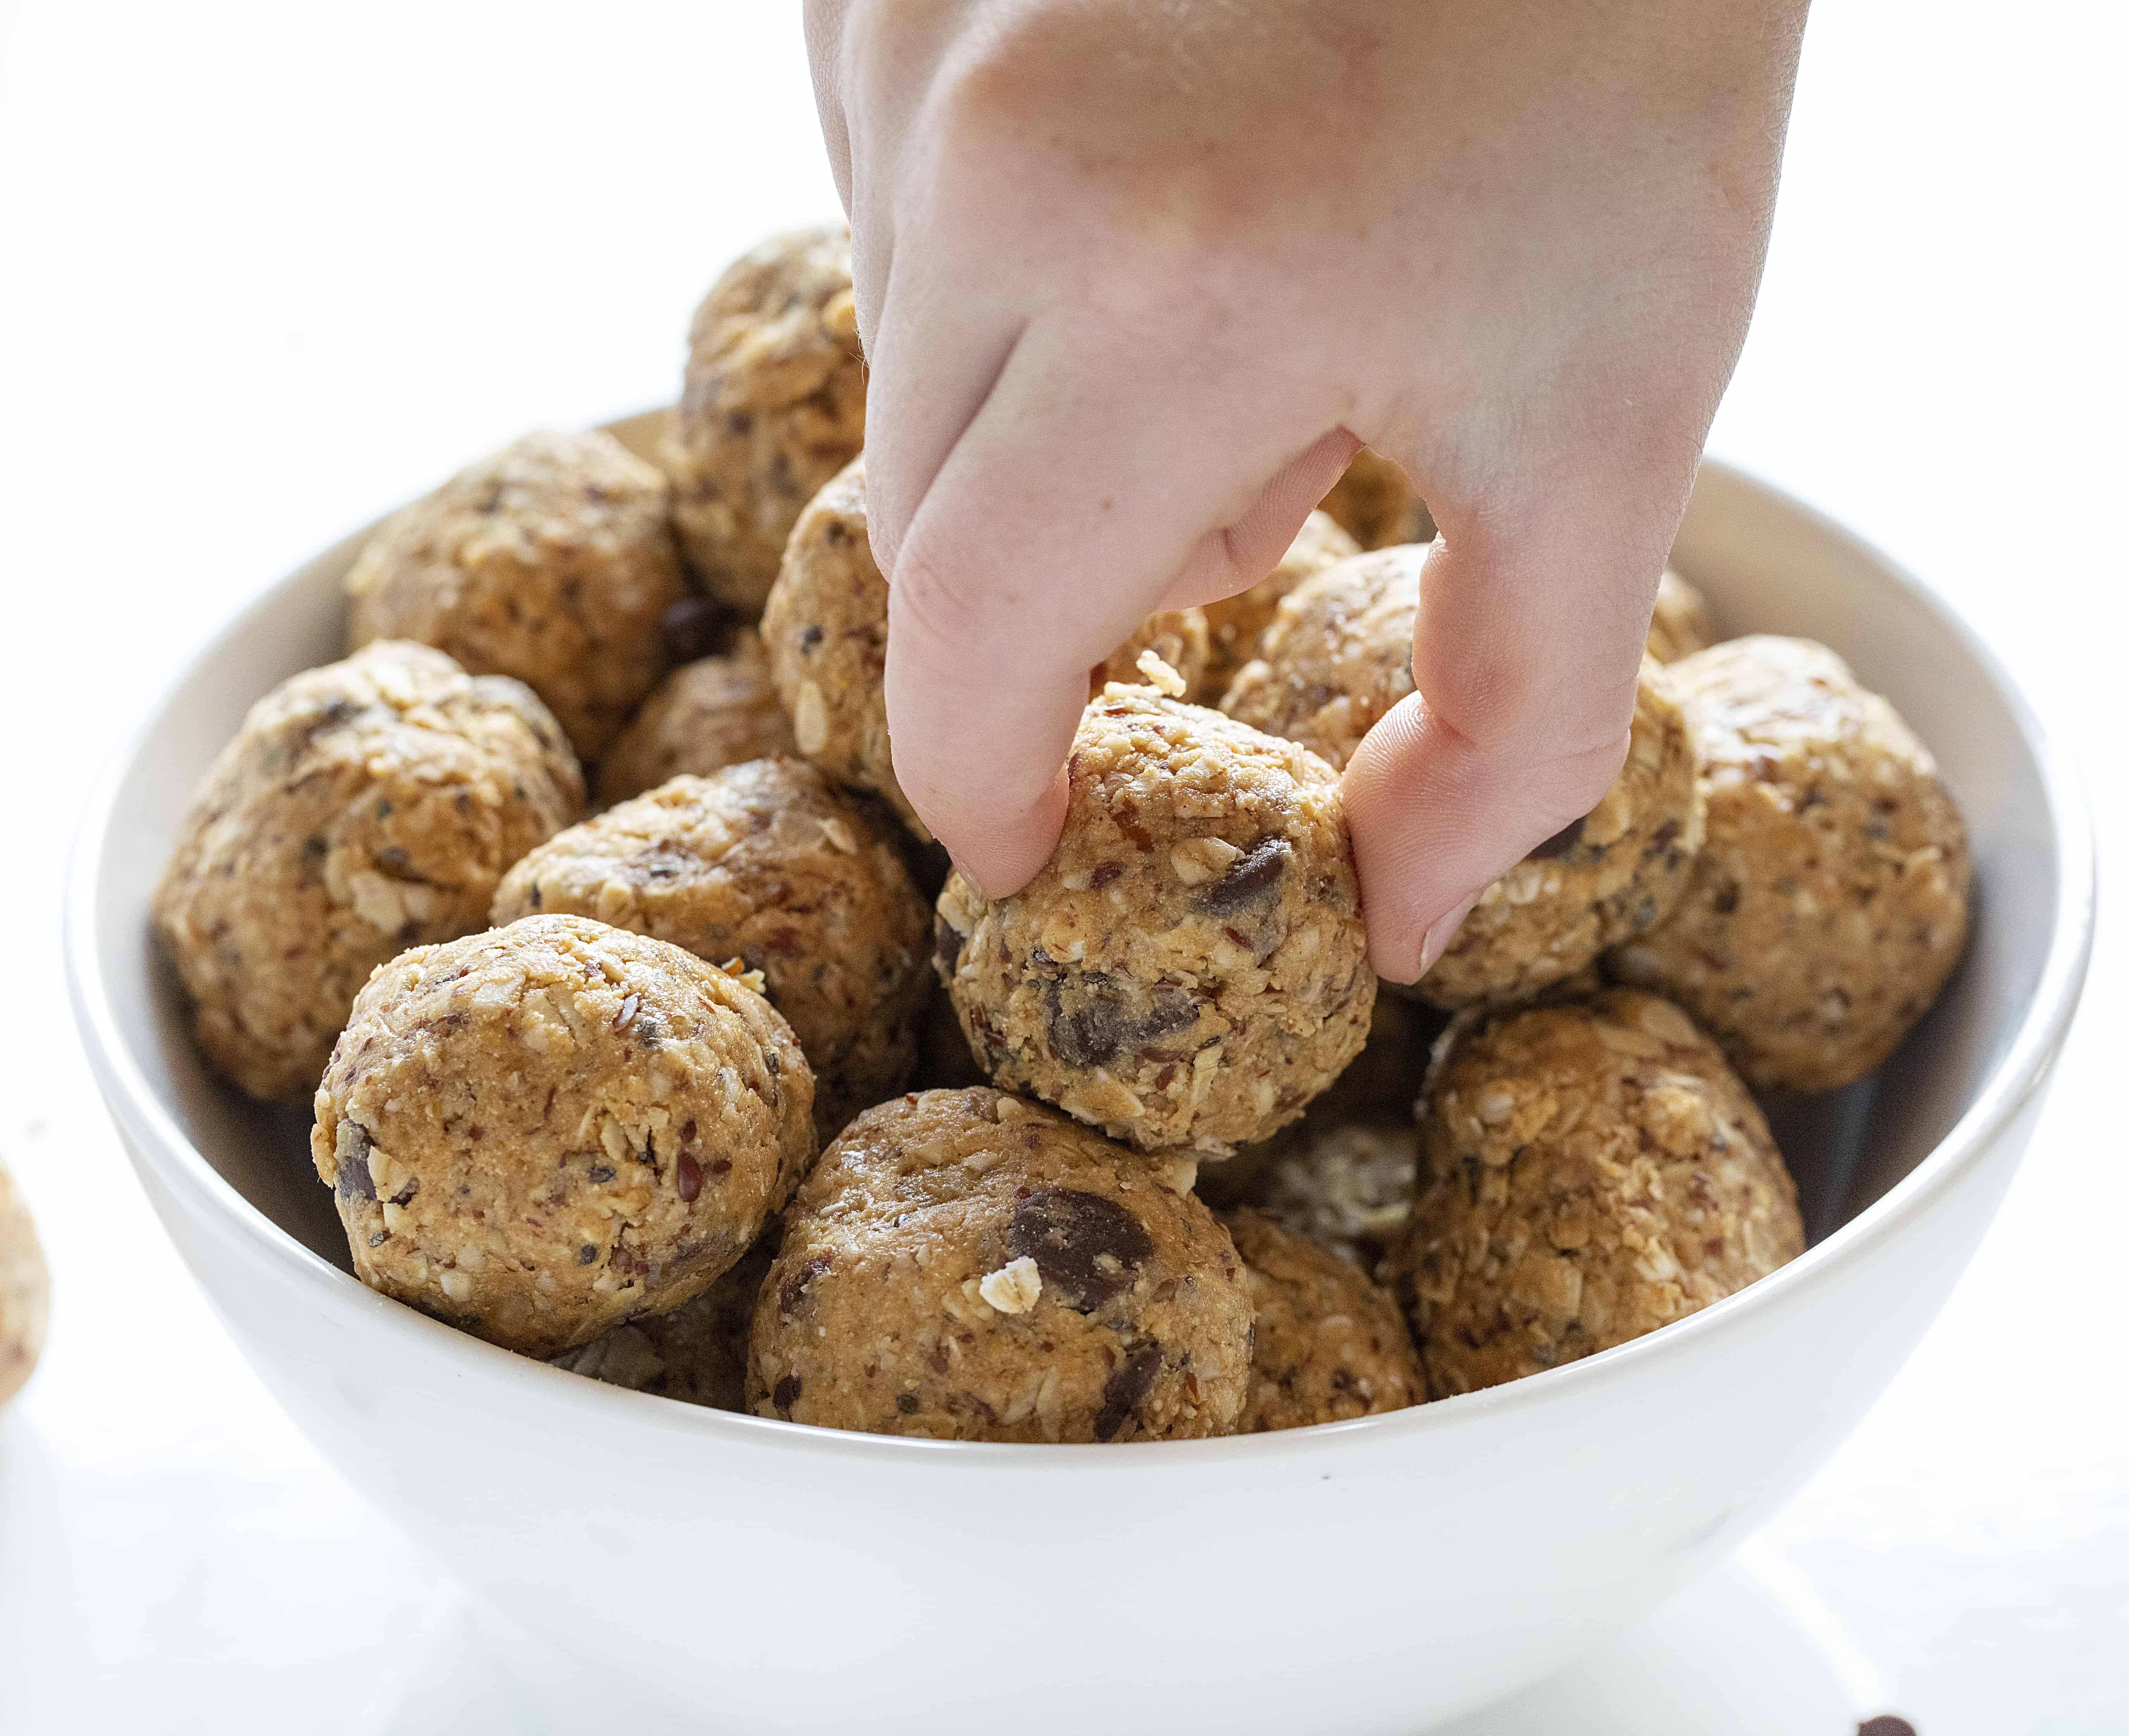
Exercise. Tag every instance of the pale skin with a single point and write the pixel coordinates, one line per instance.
(1135, 278)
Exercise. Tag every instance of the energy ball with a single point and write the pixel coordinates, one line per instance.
(695, 1352)
(1605, 878)
(553, 560)
(966, 1266)
(772, 405)
(26, 1291)
(1830, 901)
(1345, 1184)
(713, 712)
(1376, 504)
(768, 863)
(364, 807)
(1588, 1173)
(1179, 637)
(1329, 1342)
(1190, 966)
(1683, 622)
(1237, 623)
(826, 630)
(1337, 654)
(538, 1133)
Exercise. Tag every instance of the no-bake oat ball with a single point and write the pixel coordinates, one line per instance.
(364, 807)
(1179, 637)
(1190, 966)
(1683, 623)
(1344, 1182)
(1608, 876)
(553, 560)
(824, 628)
(1237, 623)
(1337, 654)
(1829, 902)
(770, 863)
(695, 1352)
(1376, 504)
(25, 1289)
(964, 1265)
(1329, 1342)
(1588, 1173)
(540, 1132)
(772, 405)
(706, 715)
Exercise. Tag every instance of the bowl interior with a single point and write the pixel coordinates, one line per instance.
(1767, 566)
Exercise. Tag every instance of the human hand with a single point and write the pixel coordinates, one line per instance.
(1134, 281)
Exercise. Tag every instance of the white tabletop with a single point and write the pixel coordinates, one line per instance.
(269, 269)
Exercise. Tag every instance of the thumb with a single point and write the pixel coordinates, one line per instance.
(1525, 648)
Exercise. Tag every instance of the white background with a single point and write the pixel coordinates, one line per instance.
(266, 269)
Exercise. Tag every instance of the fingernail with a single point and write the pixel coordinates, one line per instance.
(1444, 931)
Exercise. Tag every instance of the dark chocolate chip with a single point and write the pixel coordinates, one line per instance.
(793, 1290)
(586, 1254)
(601, 1172)
(314, 846)
(1087, 1247)
(351, 1178)
(1559, 843)
(786, 1394)
(687, 1177)
(1123, 1389)
(810, 638)
(1100, 1024)
(906, 1403)
(946, 946)
(1104, 874)
(1251, 880)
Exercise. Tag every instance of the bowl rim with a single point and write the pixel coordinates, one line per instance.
(158, 1143)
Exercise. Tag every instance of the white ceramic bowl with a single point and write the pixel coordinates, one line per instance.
(1375, 1576)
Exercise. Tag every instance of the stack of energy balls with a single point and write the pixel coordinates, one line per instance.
(1143, 1151)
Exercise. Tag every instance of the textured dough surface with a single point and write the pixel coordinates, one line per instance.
(768, 862)
(552, 560)
(1190, 966)
(26, 1291)
(695, 1352)
(1683, 623)
(967, 1266)
(363, 808)
(1830, 900)
(1179, 637)
(1337, 654)
(1329, 1345)
(772, 405)
(1588, 1173)
(826, 630)
(706, 715)
(1237, 623)
(1376, 506)
(540, 1132)
(1608, 876)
